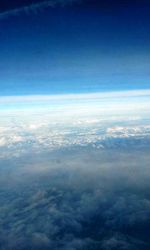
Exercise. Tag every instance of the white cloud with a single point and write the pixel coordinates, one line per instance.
(77, 119)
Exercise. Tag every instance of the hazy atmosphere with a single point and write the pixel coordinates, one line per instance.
(74, 125)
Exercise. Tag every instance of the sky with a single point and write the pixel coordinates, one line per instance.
(63, 47)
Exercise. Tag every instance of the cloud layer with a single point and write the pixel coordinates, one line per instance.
(83, 200)
(20, 134)
(79, 180)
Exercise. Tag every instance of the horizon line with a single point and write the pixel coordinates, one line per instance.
(75, 96)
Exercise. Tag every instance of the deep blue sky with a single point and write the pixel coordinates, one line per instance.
(88, 47)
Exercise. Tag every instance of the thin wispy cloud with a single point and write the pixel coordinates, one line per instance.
(33, 7)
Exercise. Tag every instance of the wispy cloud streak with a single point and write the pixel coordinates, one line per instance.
(35, 7)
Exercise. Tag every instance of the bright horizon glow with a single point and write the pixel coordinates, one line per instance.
(133, 102)
(79, 96)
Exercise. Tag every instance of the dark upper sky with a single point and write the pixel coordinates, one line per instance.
(73, 46)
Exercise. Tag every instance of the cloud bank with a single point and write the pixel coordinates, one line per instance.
(79, 180)
(83, 200)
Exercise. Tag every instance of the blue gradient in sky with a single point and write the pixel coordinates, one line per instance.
(73, 49)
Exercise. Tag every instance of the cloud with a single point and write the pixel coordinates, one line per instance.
(68, 198)
(78, 206)
(22, 136)
(98, 120)
(32, 7)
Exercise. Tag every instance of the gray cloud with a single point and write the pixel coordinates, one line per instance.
(74, 206)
